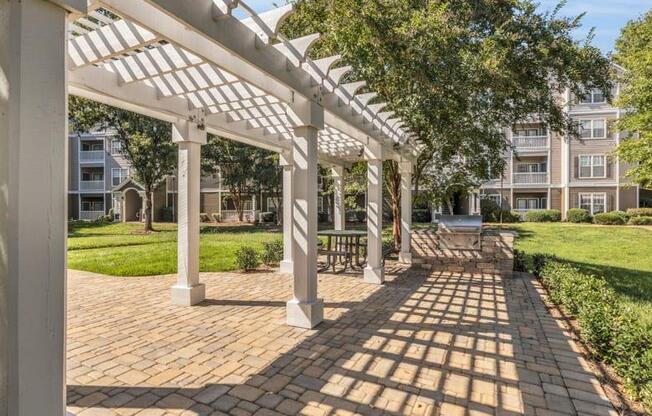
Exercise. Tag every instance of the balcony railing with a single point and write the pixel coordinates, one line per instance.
(90, 215)
(530, 178)
(530, 142)
(91, 155)
(91, 185)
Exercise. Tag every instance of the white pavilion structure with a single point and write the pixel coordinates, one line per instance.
(196, 65)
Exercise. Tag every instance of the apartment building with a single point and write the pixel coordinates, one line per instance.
(546, 170)
(100, 183)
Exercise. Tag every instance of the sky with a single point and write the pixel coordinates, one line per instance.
(606, 16)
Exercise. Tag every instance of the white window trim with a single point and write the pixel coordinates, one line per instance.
(111, 150)
(592, 196)
(494, 197)
(593, 176)
(121, 178)
(592, 120)
(593, 93)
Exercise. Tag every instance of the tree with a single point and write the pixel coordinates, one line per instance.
(235, 162)
(456, 70)
(146, 142)
(267, 177)
(634, 53)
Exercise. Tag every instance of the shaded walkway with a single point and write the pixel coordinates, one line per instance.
(424, 343)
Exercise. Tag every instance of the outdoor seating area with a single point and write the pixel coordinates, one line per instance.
(426, 342)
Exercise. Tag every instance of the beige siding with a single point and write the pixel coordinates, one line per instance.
(555, 159)
(628, 198)
(209, 202)
(556, 199)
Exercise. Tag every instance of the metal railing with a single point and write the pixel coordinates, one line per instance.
(530, 142)
(90, 215)
(530, 178)
(91, 185)
(91, 155)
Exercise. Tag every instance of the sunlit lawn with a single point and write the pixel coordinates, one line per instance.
(122, 249)
(622, 254)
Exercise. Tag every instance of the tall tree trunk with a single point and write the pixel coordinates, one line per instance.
(449, 202)
(393, 181)
(148, 211)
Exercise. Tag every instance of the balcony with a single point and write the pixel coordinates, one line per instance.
(530, 143)
(91, 185)
(86, 156)
(530, 178)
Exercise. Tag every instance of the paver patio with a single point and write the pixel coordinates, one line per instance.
(426, 342)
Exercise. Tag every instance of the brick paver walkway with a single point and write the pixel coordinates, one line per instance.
(424, 343)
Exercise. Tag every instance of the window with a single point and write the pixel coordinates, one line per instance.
(593, 202)
(118, 175)
(493, 197)
(592, 166)
(594, 96)
(92, 146)
(92, 176)
(273, 203)
(530, 203)
(116, 147)
(593, 129)
(92, 205)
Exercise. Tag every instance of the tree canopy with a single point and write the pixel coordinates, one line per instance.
(634, 53)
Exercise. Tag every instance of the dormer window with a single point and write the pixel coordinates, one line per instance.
(595, 96)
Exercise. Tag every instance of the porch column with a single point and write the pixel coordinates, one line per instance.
(405, 256)
(188, 291)
(305, 310)
(374, 271)
(285, 160)
(339, 211)
(33, 205)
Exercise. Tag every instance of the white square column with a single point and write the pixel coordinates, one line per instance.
(188, 291)
(374, 272)
(405, 255)
(33, 205)
(339, 211)
(305, 310)
(285, 161)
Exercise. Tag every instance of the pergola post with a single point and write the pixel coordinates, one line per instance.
(305, 310)
(405, 255)
(285, 160)
(339, 211)
(33, 211)
(189, 136)
(374, 271)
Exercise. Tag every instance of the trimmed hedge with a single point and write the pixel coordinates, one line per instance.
(610, 329)
(543, 215)
(639, 212)
(611, 218)
(579, 215)
(640, 221)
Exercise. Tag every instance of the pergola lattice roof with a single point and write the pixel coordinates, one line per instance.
(169, 61)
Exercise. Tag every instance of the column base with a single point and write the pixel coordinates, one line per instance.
(286, 266)
(374, 275)
(405, 258)
(188, 296)
(305, 314)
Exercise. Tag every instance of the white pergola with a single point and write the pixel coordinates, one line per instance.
(199, 67)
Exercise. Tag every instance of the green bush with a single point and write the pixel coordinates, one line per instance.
(639, 212)
(609, 218)
(268, 217)
(490, 212)
(247, 258)
(272, 252)
(543, 215)
(612, 331)
(579, 215)
(640, 221)
(421, 215)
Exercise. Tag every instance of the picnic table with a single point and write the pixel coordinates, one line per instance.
(342, 247)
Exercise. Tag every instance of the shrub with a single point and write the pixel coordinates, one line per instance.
(640, 221)
(272, 252)
(612, 331)
(543, 215)
(639, 212)
(322, 216)
(610, 218)
(247, 258)
(578, 215)
(490, 212)
(421, 215)
(268, 217)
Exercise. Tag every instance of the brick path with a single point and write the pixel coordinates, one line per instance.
(425, 343)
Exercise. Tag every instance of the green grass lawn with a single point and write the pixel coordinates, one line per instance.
(122, 249)
(623, 255)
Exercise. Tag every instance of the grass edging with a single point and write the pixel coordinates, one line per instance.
(610, 330)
